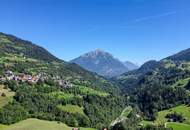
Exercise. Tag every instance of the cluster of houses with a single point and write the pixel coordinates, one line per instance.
(32, 79)
(9, 75)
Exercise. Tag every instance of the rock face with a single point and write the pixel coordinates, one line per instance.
(102, 63)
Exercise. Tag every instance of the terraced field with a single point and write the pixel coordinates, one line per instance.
(35, 124)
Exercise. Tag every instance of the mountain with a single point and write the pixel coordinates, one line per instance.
(36, 84)
(158, 89)
(129, 79)
(131, 66)
(12, 44)
(102, 63)
(183, 55)
(178, 61)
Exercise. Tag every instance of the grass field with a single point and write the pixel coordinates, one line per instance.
(62, 95)
(89, 91)
(178, 126)
(5, 100)
(35, 124)
(185, 110)
(181, 83)
(71, 109)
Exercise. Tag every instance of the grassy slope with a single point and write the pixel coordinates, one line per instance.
(35, 124)
(71, 109)
(179, 126)
(185, 110)
(2, 127)
(181, 83)
(123, 115)
(8, 98)
(126, 111)
(89, 91)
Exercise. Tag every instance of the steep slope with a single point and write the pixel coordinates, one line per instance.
(183, 55)
(159, 86)
(14, 45)
(102, 63)
(15, 51)
(131, 78)
(131, 66)
(179, 62)
(48, 88)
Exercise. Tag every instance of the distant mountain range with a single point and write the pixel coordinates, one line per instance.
(103, 63)
(130, 65)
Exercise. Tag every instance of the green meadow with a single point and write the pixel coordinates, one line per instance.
(71, 108)
(35, 124)
(161, 120)
(5, 99)
(178, 126)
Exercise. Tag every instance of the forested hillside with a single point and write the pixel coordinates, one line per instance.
(36, 84)
(158, 86)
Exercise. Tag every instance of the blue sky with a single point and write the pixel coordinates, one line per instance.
(134, 30)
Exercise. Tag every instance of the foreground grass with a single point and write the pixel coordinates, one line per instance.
(35, 124)
(2, 127)
(178, 126)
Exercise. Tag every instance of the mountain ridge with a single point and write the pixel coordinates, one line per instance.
(101, 62)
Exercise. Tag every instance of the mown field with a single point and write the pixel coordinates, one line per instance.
(89, 91)
(35, 124)
(178, 126)
(183, 109)
(71, 109)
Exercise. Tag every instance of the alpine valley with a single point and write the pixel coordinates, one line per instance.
(39, 91)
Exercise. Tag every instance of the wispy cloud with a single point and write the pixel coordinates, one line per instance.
(130, 23)
(152, 17)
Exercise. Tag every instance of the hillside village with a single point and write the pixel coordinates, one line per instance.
(32, 79)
